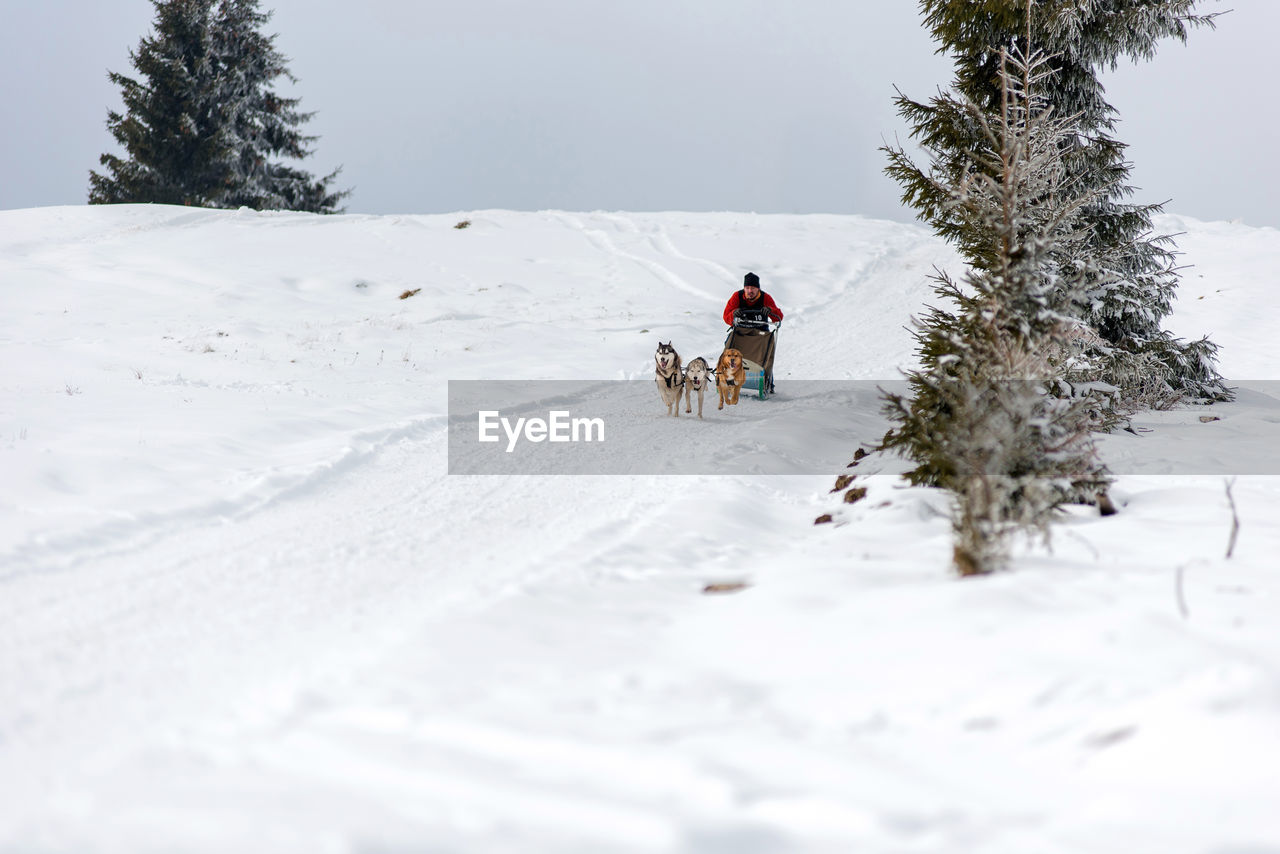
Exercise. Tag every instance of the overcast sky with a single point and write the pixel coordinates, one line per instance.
(752, 105)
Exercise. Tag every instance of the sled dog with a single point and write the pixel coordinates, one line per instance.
(730, 375)
(695, 380)
(668, 377)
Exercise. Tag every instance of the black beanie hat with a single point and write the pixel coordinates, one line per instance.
(751, 280)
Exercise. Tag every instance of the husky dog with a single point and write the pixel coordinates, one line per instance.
(695, 379)
(668, 377)
(730, 375)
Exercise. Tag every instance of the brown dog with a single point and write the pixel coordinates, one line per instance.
(730, 375)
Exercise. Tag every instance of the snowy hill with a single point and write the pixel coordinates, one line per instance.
(245, 606)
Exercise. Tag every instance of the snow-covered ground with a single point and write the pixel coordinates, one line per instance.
(244, 606)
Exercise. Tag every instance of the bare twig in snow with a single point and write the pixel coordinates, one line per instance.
(1182, 599)
(1235, 519)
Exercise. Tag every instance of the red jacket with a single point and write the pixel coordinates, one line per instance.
(739, 301)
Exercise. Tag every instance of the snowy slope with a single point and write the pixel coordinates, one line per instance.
(244, 606)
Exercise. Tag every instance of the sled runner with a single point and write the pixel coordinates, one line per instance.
(756, 337)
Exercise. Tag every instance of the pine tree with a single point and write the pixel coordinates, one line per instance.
(1135, 276)
(203, 126)
(982, 420)
(172, 127)
(262, 125)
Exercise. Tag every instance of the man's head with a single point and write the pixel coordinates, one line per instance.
(751, 284)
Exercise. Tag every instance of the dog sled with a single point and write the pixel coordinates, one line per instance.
(755, 335)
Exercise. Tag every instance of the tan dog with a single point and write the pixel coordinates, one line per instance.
(730, 375)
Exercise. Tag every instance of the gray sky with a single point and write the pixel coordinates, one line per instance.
(752, 105)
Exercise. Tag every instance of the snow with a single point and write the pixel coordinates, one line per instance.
(245, 606)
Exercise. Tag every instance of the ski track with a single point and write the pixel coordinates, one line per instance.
(204, 626)
(67, 551)
(224, 605)
(602, 242)
(660, 241)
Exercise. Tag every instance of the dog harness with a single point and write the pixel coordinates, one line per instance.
(675, 378)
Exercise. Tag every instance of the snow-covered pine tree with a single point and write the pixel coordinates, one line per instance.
(1136, 278)
(202, 124)
(980, 420)
(262, 125)
(172, 129)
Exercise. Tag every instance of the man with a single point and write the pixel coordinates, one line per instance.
(751, 298)
(752, 338)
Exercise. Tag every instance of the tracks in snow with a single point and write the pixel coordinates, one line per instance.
(660, 242)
